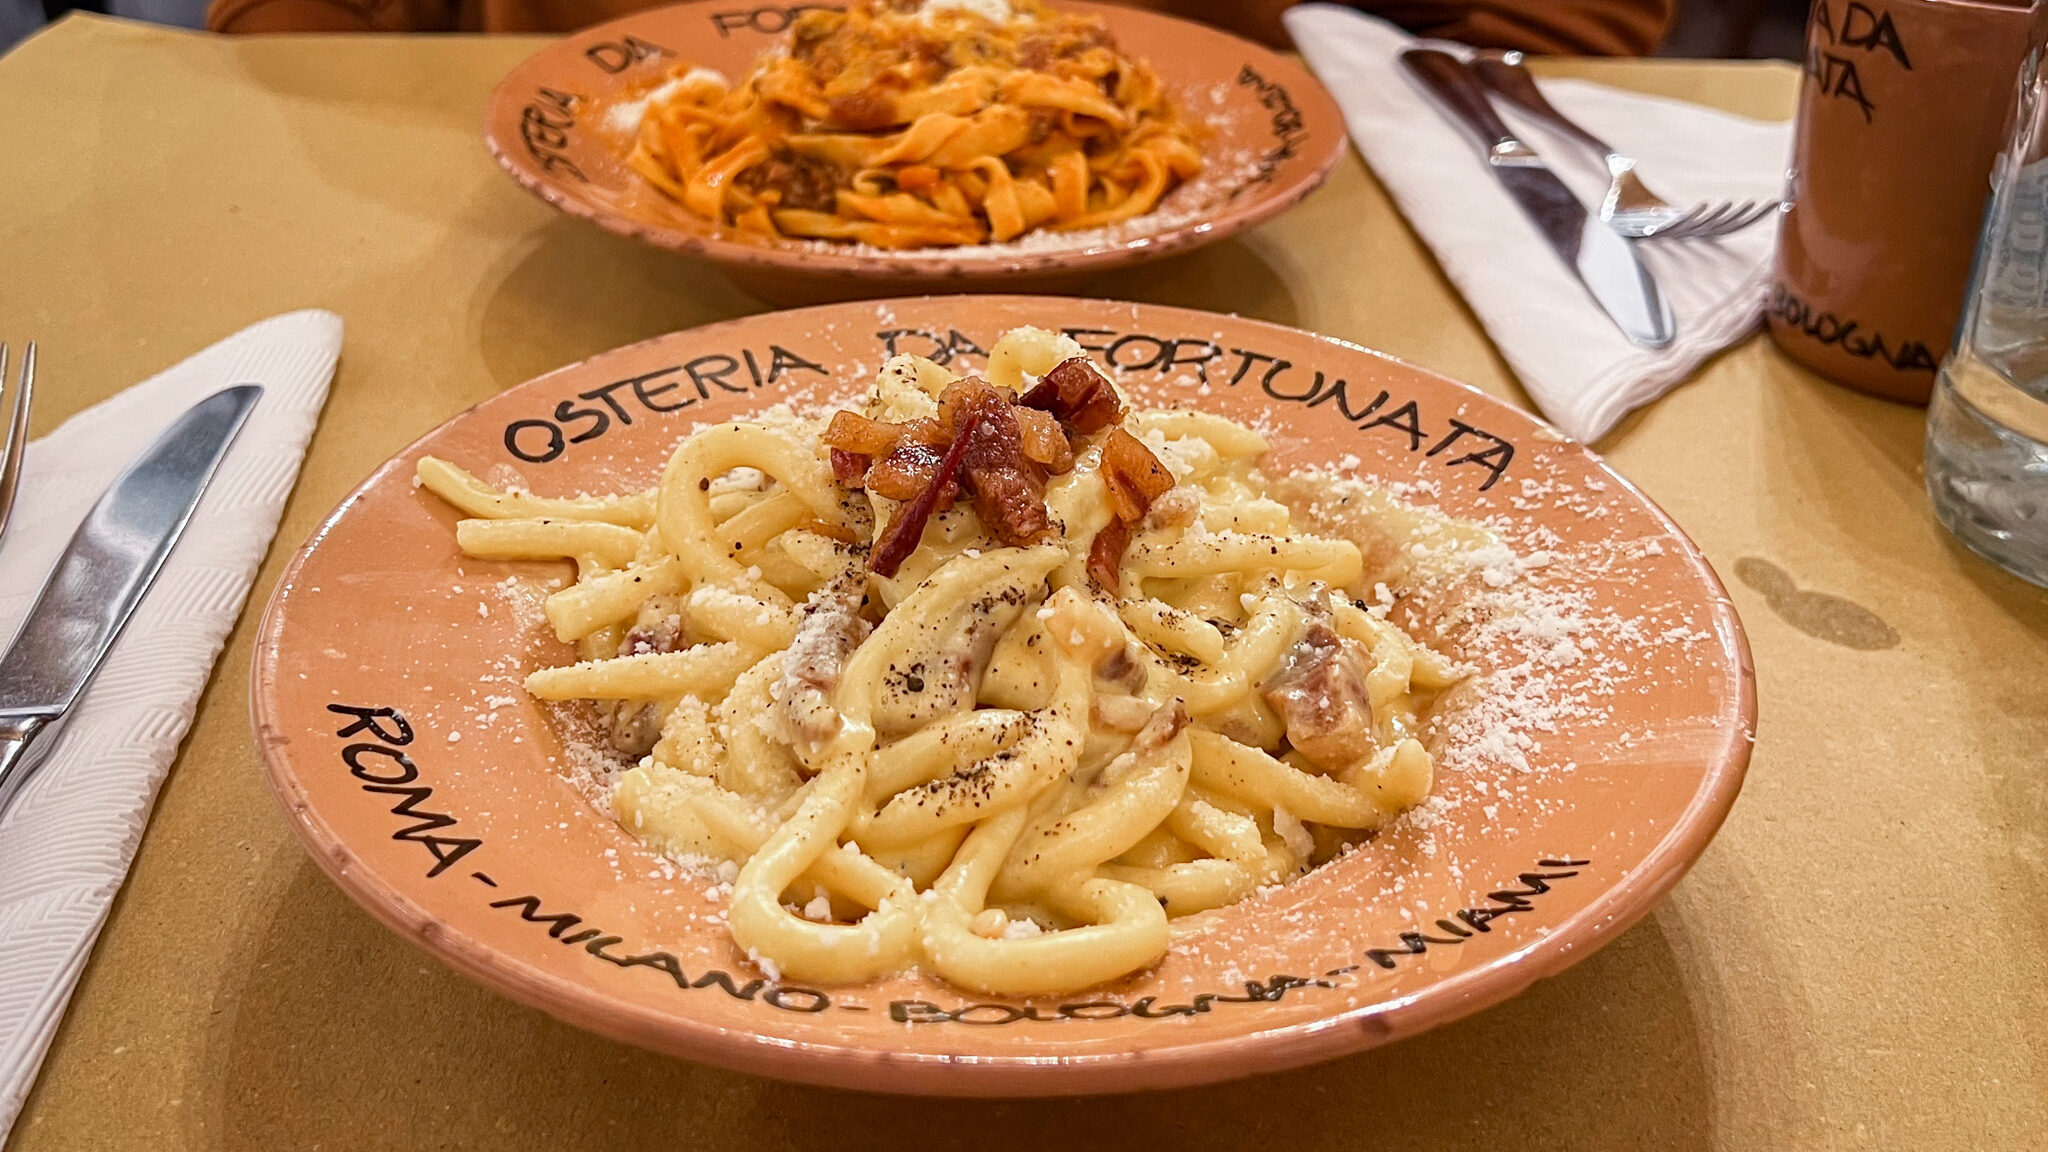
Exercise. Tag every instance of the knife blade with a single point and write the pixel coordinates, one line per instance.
(103, 574)
(1601, 259)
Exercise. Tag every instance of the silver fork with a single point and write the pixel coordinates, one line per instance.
(1629, 207)
(16, 445)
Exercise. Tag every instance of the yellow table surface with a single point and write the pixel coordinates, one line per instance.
(1857, 961)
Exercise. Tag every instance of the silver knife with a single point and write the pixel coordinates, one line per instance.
(1603, 260)
(102, 576)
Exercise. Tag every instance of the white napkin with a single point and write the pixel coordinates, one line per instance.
(66, 844)
(1573, 361)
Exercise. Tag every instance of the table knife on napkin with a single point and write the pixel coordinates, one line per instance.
(1603, 261)
(103, 574)
(70, 834)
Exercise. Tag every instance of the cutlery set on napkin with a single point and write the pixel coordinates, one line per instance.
(200, 457)
(1593, 325)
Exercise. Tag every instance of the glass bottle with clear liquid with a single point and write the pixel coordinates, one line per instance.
(1987, 426)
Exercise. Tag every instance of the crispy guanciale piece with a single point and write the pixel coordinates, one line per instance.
(1135, 476)
(1106, 554)
(850, 468)
(854, 432)
(896, 461)
(1320, 693)
(1078, 395)
(855, 441)
(908, 469)
(994, 447)
(1006, 486)
(901, 538)
(1044, 441)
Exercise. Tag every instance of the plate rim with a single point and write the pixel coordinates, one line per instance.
(927, 263)
(851, 1066)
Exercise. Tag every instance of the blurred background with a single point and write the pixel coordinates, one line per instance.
(1732, 29)
(1738, 29)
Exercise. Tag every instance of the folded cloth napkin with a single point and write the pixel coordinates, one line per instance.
(1573, 361)
(66, 843)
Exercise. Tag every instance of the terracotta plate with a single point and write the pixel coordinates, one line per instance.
(1605, 748)
(1277, 135)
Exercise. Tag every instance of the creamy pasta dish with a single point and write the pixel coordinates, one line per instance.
(997, 676)
(905, 125)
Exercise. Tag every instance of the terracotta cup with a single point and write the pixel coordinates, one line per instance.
(1904, 106)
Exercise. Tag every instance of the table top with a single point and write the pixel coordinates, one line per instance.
(1857, 961)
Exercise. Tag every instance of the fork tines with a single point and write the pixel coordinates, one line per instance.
(1707, 220)
(16, 445)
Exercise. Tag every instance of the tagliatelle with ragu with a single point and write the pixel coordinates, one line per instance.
(997, 676)
(901, 125)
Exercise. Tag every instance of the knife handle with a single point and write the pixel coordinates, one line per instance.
(17, 732)
(1508, 76)
(1451, 81)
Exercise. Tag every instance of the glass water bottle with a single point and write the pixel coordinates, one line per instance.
(1987, 426)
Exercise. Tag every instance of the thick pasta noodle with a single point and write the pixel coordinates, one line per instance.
(905, 126)
(995, 676)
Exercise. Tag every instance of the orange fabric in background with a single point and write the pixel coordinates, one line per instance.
(1577, 27)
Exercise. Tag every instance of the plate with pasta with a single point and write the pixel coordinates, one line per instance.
(896, 146)
(1002, 696)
